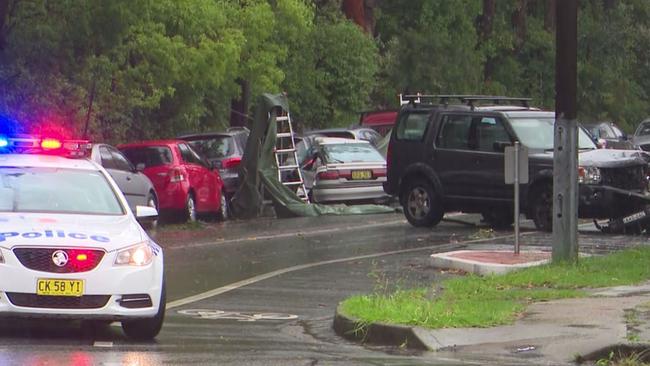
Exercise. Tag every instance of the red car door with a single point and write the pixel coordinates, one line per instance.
(202, 180)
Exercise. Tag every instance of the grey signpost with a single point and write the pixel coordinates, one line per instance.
(516, 173)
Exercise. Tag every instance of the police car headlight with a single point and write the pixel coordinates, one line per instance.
(589, 175)
(137, 255)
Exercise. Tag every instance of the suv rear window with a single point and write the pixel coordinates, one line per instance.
(413, 127)
(150, 156)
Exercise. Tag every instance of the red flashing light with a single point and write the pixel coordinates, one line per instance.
(25, 144)
(51, 144)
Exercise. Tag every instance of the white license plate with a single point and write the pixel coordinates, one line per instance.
(634, 217)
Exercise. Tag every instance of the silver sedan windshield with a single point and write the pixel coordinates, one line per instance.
(50, 190)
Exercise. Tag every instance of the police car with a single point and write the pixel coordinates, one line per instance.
(70, 247)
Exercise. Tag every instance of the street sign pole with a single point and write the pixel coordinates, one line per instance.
(516, 172)
(516, 213)
(565, 161)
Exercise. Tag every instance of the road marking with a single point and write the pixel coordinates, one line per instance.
(103, 344)
(300, 233)
(214, 314)
(262, 277)
(288, 235)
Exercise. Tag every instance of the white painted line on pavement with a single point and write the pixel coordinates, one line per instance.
(299, 233)
(288, 235)
(249, 281)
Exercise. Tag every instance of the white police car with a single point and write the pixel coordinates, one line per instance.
(70, 247)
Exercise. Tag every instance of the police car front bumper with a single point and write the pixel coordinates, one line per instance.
(110, 292)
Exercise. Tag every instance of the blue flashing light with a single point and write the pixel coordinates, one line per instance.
(3, 142)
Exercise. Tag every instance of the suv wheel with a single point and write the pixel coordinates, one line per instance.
(498, 218)
(542, 208)
(422, 205)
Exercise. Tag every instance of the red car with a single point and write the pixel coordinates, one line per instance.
(185, 182)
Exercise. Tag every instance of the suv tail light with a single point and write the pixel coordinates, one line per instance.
(176, 176)
(230, 162)
(329, 175)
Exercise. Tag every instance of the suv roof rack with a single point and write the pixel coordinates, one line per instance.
(469, 100)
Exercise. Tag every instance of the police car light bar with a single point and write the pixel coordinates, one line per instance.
(50, 146)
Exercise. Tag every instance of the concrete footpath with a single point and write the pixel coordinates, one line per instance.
(553, 332)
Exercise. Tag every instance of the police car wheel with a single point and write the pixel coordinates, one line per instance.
(147, 329)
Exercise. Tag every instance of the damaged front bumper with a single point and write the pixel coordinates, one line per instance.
(624, 210)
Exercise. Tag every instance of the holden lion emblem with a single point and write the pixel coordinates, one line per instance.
(60, 258)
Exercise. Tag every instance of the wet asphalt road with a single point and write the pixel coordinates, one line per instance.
(264, 292)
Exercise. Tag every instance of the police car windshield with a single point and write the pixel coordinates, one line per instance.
(54, 190)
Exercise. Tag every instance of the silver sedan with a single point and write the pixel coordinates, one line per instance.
(343, 170)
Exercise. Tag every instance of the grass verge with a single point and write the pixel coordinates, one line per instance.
(474, 301)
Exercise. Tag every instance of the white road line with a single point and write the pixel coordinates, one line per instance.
(249, 281)
(287, 235)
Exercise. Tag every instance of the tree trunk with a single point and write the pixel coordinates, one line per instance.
(519, 24)
(239, 107)
(549, 17)
(361, 12)
(4, 15)
(485, 23)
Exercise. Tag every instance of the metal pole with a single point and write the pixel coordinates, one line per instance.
(565, 162)
(517, 145)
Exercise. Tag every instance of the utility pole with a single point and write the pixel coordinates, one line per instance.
(565, 162)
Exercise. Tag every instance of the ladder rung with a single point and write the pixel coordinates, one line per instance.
(284, 151)
(288, 167)
(284, 134)
(281, 118)
(294, 183)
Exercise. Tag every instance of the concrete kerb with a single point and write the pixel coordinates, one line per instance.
(455, 260)
(377, 333)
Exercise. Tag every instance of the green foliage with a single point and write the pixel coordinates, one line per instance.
(475, 301)
(158, 68)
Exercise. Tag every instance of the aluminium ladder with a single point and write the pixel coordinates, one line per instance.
(286, 158)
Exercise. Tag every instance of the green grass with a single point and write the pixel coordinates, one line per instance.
(474, 301)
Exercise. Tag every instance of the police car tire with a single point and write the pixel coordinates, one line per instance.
(147, 329)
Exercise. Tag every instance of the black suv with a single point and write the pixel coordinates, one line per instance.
(446, 154)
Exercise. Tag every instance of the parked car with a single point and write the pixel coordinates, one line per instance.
(641, 138)
(381, 121)
(344, 170)
(445, 157)
(365, 134)
(608, 135)
(136, 186)
(185, 182)
(225, 151)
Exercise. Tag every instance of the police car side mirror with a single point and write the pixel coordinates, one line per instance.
(140, 167)
(144, 213)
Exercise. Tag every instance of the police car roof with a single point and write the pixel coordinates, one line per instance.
(45, 161)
